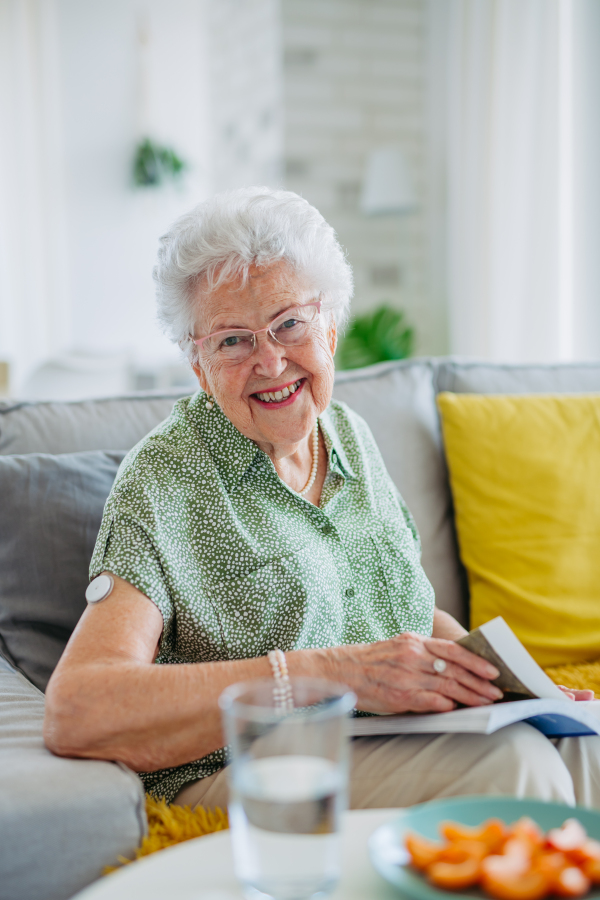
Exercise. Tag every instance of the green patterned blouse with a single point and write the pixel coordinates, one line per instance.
(238, 563)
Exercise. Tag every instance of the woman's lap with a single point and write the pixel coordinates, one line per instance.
(582, 758)
(396, 771)
(517, 761)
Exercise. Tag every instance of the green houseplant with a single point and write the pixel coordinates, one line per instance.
(153, 164)
(375, 337)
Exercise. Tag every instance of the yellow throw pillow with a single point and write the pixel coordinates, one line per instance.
(525, 477)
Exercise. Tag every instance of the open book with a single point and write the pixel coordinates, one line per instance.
(530, 696)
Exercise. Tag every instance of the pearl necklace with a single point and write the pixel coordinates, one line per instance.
(315, 462)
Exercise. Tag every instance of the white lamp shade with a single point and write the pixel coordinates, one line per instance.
(387, 186)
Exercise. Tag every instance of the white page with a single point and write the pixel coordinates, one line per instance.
(478, 719)
(474, 719)
(586, 712)
(507, 645)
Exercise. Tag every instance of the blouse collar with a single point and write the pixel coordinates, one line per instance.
(234, 453)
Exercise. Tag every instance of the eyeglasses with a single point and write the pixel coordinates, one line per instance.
(294, 327)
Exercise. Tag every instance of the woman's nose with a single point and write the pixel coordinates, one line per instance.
(269, 356)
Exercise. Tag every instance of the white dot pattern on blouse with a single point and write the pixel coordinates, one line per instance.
(238, 564)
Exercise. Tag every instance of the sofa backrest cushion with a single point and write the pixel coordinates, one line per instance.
(461, 377)
(115, 423)
(49, 517)
(397, 400)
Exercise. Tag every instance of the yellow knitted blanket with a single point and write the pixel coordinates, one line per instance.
(169, 825)
(582, 676)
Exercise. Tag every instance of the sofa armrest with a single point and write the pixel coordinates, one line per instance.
(61, 820)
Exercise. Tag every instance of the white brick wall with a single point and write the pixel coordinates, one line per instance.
(246, 92)
(355, 79)
(302, 91)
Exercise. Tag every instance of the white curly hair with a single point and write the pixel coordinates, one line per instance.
(221, 238)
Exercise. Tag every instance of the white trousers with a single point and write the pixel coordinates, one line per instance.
(403, 770)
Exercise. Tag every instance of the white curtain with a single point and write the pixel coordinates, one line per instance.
(586, 186)
(34, 316)
(508, 86)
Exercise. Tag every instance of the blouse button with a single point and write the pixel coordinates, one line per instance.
(327, 529)
(350, 592)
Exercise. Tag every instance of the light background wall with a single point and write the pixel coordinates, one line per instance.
(355, 78)
(127, 70)
(277, 92)
(302, 91)
(246, 89)
(80, 84)
(296, 93)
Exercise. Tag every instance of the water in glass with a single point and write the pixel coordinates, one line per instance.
(284, 813)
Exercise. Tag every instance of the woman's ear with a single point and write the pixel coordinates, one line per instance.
(201, 376)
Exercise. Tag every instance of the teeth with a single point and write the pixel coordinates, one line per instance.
(277, 396)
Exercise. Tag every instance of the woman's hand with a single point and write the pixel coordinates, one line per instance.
(398, 675)
(573, 694)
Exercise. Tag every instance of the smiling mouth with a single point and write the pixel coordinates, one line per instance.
(280, 395)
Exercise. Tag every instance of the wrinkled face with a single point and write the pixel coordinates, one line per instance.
(272, 367)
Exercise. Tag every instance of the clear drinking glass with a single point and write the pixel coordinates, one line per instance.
(288, 780)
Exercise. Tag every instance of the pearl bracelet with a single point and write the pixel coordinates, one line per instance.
(282, 692)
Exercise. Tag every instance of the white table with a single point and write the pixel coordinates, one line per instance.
(202, 869)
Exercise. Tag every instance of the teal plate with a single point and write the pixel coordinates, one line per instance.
(390, 858)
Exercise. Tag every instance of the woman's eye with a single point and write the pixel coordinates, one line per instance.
(230, 341)
(289, 323)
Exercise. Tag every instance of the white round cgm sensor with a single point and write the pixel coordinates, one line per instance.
(99, 588)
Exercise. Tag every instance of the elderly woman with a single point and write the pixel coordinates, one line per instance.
(260, 515)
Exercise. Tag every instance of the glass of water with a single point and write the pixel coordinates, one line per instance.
(288, 778)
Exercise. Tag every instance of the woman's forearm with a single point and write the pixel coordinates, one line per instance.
(147, 716)
(151, 716)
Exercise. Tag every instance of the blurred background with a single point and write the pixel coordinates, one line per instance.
(454, 145)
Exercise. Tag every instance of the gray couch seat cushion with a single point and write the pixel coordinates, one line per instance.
(397, 400)
(116, 423)
(49, 518)
(61, 820)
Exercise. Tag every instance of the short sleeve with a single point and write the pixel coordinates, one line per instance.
(125, 548)
(410, 522)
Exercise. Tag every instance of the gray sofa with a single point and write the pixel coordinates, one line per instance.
(62, 820)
